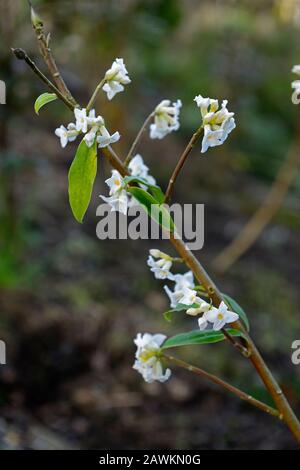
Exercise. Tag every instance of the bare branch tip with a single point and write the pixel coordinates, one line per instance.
(19, 53)
(35, 19)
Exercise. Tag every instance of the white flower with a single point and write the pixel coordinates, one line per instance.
(116, 77)
(118, 199)
(218, 123)
(104, 138)
(118, 202)
(91, 136)
(296, 85)
(189, 296)
(211, 138)
(296, 69)
(181, 281)
(166, 119)
(221, 316)
(147, 355)
(81, 120)
(66, 135)
(138, 168)
(156, 253)
(115, 182)
(204, 307)
(184, 280)
(173, 296)
(160, 268)
(94, 120)
(206, 105)
(203, 322)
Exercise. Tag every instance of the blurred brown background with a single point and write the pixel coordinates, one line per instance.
(70, 305)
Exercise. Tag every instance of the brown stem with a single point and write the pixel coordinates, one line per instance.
(43, 43)
(254, 356)
(115, 161)
(253, 228)
(243, 350)
(137, 139)
(181, 162)
(216, 380)
(204, 279)
(94, 95)
(22, 55)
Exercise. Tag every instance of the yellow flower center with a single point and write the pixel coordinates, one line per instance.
(146, 355)
(220, 316)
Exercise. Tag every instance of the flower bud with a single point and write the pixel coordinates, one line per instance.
(35, 19)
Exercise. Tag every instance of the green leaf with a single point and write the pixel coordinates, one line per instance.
(179, 308)
(198, 337)
(235, 307)
(154, 189)
(157, 211)
(82, 175)
(43, 99)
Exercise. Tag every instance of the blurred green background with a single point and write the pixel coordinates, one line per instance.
(71, 304)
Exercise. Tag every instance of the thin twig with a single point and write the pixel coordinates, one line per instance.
(204, 279)
(244, 351)
(181, 162)
(43, 43)
(22, 55)
(262, 217)
(236, 391)
(137, 139)
(256, 359)
(94, 95)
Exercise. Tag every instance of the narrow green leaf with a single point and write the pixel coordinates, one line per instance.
(198, 337)
(157, 211)
(43, 99)
(154, 189)
(235, 307)
(82, 175)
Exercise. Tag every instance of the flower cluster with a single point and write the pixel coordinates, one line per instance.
(89, 124)
(219, 317)
(138, 168)
(148, 357)
(185, 293)
(115, 78)
(217, 123)
(296, 85)
(118, 198)
(160, 264)
(166, 119)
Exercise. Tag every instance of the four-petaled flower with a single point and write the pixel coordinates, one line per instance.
(148, 357)
(66, 135)
(189, 296)
(104, 138)
(115, 78)
(166, 119)
(81, 120)
(160, 267)
(91, 125)
(219, 317)
(181, 281)
(217, 123)
(118, 199)
(138, 168)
